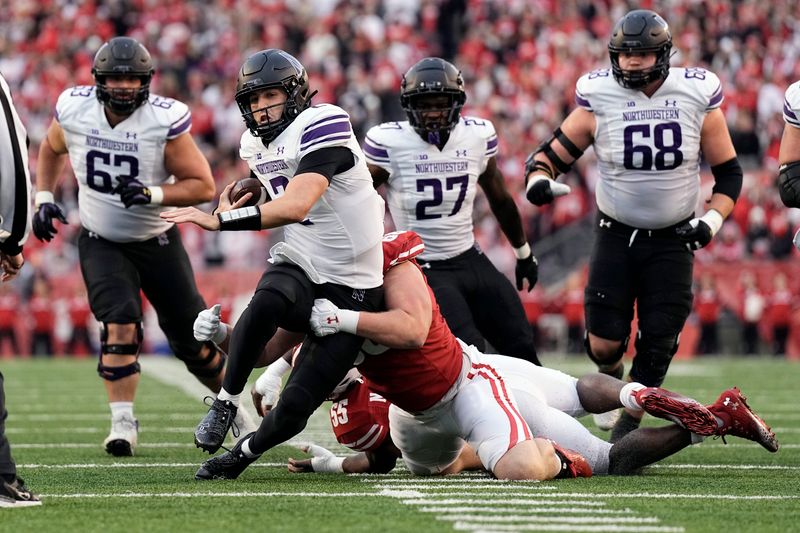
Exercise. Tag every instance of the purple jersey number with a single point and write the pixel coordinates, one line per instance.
(435, 184)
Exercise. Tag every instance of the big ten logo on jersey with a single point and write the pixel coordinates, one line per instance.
(339, 413)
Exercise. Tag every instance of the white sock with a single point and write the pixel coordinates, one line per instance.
(246, 450)
(120, 409)
(627, 398)
(225, 395)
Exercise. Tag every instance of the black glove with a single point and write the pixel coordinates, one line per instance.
(43, 226)
(132, 192)
(695, 234)
(542, 190)
(527, 268)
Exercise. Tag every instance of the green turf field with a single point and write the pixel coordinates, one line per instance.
(59, 417)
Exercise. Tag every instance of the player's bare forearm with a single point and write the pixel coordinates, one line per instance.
(721, 203)
(194, 181)
(406, 324)
(502, 204)
(50, 164)
(280, 344)
(188, 192)
(790, 145)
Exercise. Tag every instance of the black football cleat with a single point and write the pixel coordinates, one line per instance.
(229, 465)
(210, 432)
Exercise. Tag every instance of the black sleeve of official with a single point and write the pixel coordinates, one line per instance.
(18, 182)
(728, 178)
(327, 161)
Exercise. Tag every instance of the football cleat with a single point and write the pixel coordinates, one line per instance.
(16, 494)
(210, 432)
(740, 421)
(229, 465)
(121, 441)
(573, 464)
(677, 408)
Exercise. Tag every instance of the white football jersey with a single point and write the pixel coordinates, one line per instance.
(430, 191)
(133, 148)
(648, 148)
(341, 238)
(791, 105)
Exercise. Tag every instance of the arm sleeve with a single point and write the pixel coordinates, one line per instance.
(327, 161)
(15, 191)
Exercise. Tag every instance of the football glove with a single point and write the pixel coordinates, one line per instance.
(43, 226)
(527, 268)
(698, 232)
(208, 327)
(132, 192)
(542, 190)
(327, 318)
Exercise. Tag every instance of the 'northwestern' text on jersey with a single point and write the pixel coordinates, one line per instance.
(431, 191)
(101, 155)
(791, 105)
(342, 233)
(648, 148)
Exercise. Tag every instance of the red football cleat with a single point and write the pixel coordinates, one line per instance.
(573, 464)
(740, 421)
(682, 410)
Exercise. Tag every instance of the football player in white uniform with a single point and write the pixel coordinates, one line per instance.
(789, 155)
(431, 166)
(321, 194)
(648, 124)
(124, 144)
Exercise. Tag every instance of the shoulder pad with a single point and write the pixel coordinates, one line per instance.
(399, 247)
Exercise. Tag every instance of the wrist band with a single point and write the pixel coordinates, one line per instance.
(714, 220)
(156, 195)
(329, 463)
(523, 252)
(348, 320)
(244, 218)
(44, 197)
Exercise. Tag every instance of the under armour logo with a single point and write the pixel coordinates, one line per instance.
(605, 223)
(461, 153)
(280, 150)
(332, 320)
(727, 402)
(671, 103)
(130, 135)
(258, 155)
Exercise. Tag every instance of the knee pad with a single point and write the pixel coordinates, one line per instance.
(199, 366)
(114, 373)
(120, 349)
(653, 357)
(611, 361)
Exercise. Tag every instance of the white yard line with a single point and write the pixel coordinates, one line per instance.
(553, 519)
(130, 465)
(455, 510)
(82, 495)
(481, 528)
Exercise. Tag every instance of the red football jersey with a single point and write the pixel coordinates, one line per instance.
(413, 379)
(360, 419)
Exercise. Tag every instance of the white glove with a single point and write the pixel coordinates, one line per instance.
(327, 319)
(208, 327)
(269, 384)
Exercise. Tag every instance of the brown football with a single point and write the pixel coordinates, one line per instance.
(251, 185)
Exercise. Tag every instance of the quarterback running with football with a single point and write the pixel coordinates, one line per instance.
(321, 194)
(648, 124)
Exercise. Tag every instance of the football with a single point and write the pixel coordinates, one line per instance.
(251, 185)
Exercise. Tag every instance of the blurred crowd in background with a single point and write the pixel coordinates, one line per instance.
(520, 60)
